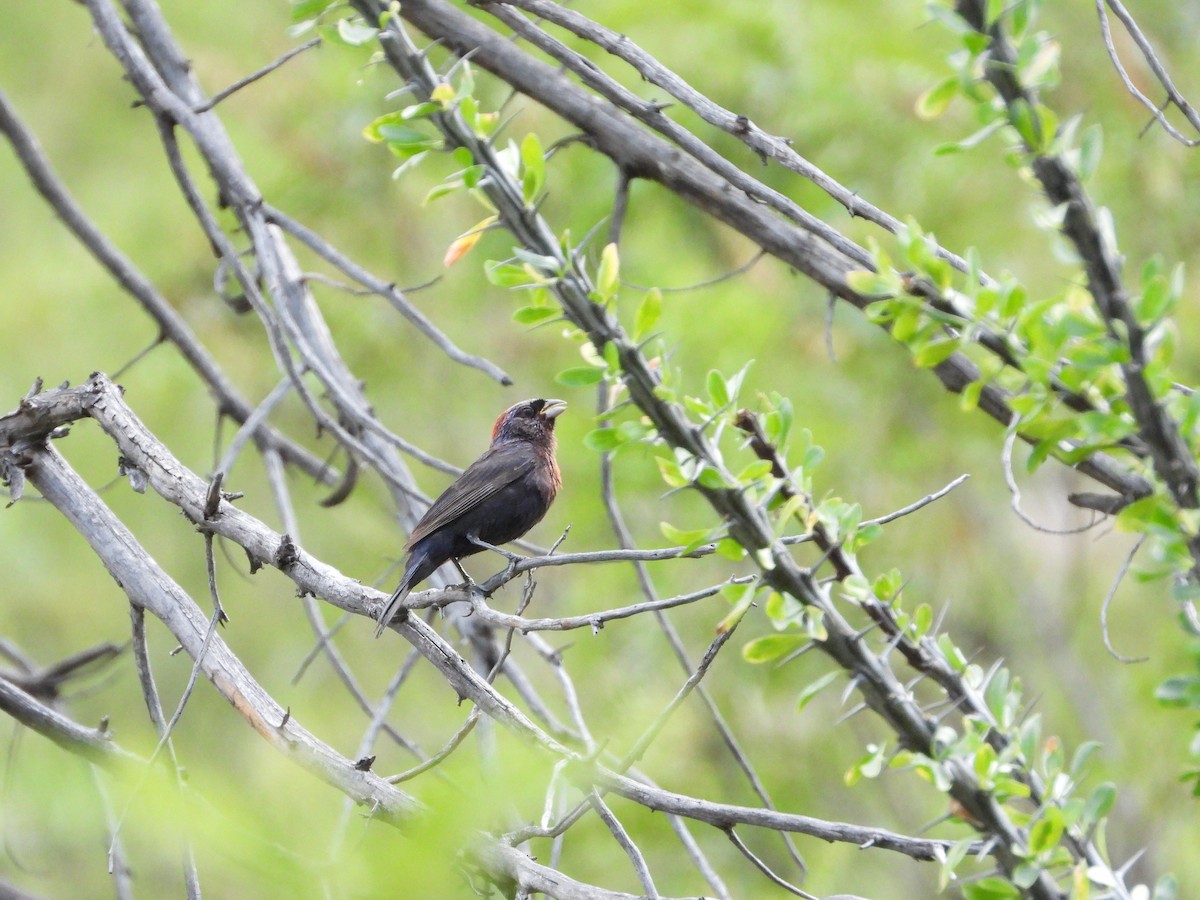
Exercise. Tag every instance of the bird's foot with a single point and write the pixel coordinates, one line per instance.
(468, 583)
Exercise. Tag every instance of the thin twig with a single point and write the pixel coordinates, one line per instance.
(594, 621)
(643, 742)
(625, 842)
(1015, 494)
(171, 324)
(765, 869)
(255, 76)
(1173, 96)
(451, 745)
(1108, 599)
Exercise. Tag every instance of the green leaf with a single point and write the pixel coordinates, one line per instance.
(970, 397)
(533, 168)
(420, 111)
(772, 647)
(922, 620)
(856, 588)
(743, 596)
(355, 33)
(635, 429)
(815, 688)
(308, 9)
(410, 162)
(579, 376)
(864, 535)
(672, 474)
(778, 422)
(1166, 888)
(711, 479)
(648, 314)
(1090, 150)
(1022, 117)
(441, 190)
(717, 390)
(532, 315)
(933, 102)
(954, 856)
(756, 470)
(603, 440)
(953, 655)
(373, 131)
(990, 889)
(506, 274)
(407, 142)
(996, 693)
(679, 536)
(1025, 874)
(935, 352)
(873, 284)
(1156, 301)
(1047, 831)
(1099, 803)
(1082, 755)
(1179, 691)
(985, 761)
(731, 549)
(1042, 69)
(971, 141)
(541, 262)
(868, 767)
(608, 275)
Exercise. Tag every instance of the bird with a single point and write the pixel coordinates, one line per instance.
(497, 499)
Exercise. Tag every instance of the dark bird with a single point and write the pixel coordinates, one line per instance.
(497, 499)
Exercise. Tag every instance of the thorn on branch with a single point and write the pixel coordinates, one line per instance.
(363, 764)
(286, 553)
(212, 501)
(287, 715)
(137, 478)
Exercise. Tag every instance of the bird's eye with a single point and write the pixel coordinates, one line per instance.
(525, 412)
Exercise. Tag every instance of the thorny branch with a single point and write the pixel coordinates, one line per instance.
(301, 342)
(151, 589)
(1166, 448)
(882, 689)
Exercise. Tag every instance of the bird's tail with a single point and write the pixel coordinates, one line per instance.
(395, 602)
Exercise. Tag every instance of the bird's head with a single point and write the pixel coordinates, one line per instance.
(529, 420)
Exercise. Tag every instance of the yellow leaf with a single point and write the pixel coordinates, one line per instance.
(459, 247)
(462, 244)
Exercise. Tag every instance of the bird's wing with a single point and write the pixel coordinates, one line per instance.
(495, 470)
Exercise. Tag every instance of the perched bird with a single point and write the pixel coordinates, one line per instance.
(497, 499)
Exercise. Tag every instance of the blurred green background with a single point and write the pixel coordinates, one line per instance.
(838, 78)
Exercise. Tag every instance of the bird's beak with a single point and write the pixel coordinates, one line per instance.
(552, 409)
